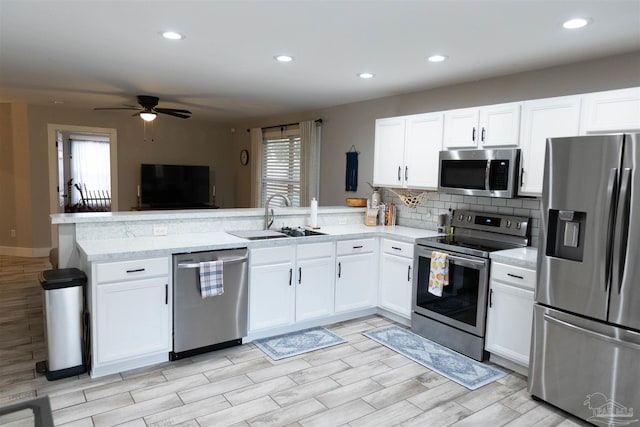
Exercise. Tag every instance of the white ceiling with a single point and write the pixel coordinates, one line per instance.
(104, 52)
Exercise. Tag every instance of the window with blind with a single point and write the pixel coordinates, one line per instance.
(281, 166)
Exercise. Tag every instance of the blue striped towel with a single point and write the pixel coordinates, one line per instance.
(211, 283)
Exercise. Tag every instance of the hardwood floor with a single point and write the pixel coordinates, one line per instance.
(359, 383)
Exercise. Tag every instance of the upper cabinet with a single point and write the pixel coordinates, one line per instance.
(542, 119)
(479, 127)
(611, 111)
(406, 151)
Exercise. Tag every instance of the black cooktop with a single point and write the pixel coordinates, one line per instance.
(468, 245)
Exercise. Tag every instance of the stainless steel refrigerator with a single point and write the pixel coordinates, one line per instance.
(585, 352)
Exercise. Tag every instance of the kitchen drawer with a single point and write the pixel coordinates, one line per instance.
(315, 250)
(397, 248)
(261, 256)
(518, 276)
(356, 246)
(134, 269)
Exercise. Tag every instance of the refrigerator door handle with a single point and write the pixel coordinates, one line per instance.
(622, 228)
(593, 334)
(607, 244)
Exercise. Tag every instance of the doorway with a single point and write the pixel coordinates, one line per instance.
(71, 188)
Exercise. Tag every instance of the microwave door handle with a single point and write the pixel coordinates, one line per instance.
(605, 263)
(622, 229)
(486, 176)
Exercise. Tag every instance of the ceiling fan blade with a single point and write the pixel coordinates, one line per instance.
(117, 108)
(172, 110)
(173, 113)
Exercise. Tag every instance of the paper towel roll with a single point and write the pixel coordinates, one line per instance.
(313, 220)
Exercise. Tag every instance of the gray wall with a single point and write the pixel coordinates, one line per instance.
(354, 123)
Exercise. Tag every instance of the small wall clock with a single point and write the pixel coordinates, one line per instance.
(244, 157)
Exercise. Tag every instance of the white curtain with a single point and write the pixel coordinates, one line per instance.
(256, 166)
(310, 134)
(90, 167)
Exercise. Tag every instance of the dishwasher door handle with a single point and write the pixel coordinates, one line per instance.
(225, 262)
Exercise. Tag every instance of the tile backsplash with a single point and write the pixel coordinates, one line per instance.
(426, 214)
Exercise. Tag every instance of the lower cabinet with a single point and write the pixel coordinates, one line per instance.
(130, 316)
(396, 277)
(356, 275)
(510, 312)
(290, 284)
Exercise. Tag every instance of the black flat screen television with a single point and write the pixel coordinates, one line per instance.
(174, 186)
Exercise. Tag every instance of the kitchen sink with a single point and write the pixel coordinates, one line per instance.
(273, 234)
(258, 234)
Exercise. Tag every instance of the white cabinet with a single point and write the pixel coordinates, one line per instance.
(271, 291)
(396, 277)
(611, 111)
(542, 119)
(130, 314)
(315, 281)
(290, 284)
(510, 312)
(479, 127)
(406, 151)
(356, 282)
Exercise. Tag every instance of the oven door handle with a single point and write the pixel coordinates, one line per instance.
(466, 261)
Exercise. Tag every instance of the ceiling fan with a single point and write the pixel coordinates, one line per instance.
(148, 110)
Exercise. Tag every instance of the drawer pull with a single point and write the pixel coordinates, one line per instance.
(137, 270)
(515, 276)
(396, 248)
(358, 247)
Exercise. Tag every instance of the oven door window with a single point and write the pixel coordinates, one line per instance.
(459, 300)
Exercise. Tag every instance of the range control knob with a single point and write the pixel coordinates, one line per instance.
(508, 223)
(469, 218)
(460, 217)
(518, 225)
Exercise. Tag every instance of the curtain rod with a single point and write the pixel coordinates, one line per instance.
(317, 121)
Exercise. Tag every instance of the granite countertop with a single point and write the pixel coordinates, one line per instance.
(521, 257)
(112, 249)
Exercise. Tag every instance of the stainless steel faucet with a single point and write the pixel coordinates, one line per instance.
(268, 221)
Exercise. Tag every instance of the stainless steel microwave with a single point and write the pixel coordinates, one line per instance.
(486, 173)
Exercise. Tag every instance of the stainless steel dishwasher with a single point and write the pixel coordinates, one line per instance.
(201, 325)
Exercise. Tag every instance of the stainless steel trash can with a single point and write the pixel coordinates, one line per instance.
(64, 307)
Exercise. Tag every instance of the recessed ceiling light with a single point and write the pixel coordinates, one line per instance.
(172, 35)
(56, 102)
(576, 23)
(366, 75)
(437, 58)
(283, 58)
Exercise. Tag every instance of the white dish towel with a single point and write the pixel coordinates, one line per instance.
(211, 278)
(439, 274)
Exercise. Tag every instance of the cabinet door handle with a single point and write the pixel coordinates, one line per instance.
(299, 275)
(166, 294)
(406, 173)
(290, 275)
(515, 276)
(482, 137)
(409, 274)
(357, 247)
(473, 134)
(521, 177)
(137, 270)
(491, 298)
(339, 269)
(399, 171)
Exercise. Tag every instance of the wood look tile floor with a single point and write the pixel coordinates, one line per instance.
(358, 383)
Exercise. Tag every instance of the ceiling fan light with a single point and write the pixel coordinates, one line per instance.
(148, 117)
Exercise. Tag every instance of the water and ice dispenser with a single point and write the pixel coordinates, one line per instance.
(566, 234)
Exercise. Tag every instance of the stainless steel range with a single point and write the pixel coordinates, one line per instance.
(456, 319)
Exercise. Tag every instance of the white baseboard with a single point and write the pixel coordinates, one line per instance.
(24, 252)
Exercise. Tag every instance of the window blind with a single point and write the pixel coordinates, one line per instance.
(281, 168)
